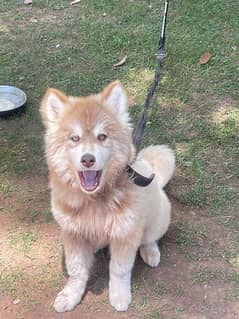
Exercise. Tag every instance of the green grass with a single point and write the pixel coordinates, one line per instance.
(10, 278)
(180, 291)
(93, 36)
(234, 278)
(6, 188)
(22, 241)
(43, 214)
(153, 315)
(187, 235)
(159, 288)
(205, 275)
(141, 303)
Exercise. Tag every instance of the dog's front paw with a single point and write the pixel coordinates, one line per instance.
(120, 300)
(66, 300)
(150, 254)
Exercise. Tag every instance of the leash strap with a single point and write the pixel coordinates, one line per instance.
(160, 55)
(137, 178)
(164, 24)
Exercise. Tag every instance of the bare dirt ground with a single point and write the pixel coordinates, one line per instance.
(194, 281)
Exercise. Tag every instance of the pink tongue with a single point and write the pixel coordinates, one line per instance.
(89, 178)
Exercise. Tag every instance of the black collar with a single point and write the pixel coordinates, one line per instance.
(137, 178)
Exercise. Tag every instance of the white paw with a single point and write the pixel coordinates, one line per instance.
(66, 301)
(120, 301)
(150, 254)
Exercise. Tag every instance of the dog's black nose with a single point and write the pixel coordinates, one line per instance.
(88, 160)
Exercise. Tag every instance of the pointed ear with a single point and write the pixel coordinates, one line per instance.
(53, 104)
(116, 98)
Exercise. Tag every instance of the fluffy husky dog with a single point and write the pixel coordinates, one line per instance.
(88, 147)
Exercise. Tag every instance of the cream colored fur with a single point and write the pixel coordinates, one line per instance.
(117, 213)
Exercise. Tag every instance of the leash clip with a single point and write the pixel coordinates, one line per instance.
(137, 178)
(161, 55)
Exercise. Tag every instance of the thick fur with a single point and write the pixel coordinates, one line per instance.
(117, 212)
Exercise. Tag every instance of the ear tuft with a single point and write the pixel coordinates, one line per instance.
(52, 105)
(116, 98)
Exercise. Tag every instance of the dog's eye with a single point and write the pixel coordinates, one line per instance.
(102, 137)
(75, 138)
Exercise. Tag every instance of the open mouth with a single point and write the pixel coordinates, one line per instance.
(90, 180)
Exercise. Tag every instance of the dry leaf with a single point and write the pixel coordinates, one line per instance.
(121, 62)
(27, 1)
(75, 2)
(205, 58)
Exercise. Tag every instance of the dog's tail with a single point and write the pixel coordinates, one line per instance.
(162, 160)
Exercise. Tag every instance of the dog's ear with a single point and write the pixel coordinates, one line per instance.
(116, 98)
(53, 104)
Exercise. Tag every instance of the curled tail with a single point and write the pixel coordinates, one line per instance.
(162, 160)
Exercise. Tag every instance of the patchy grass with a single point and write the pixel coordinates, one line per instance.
(234, 277)
(187, 235)
(7, 188)
(156, 314)
(195, 111)
(159, 288)
(22, 241)
(12, 278)
(205, 275)
(45, 215)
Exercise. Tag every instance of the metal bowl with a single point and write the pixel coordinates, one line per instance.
(12, 100)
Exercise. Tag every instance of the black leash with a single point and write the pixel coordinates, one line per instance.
(160, 55)
(139, 131)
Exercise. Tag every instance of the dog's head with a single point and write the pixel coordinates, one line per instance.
(88, 139)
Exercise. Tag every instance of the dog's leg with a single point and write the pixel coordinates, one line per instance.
(150, 254)
(79, 257)
(122, 260)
